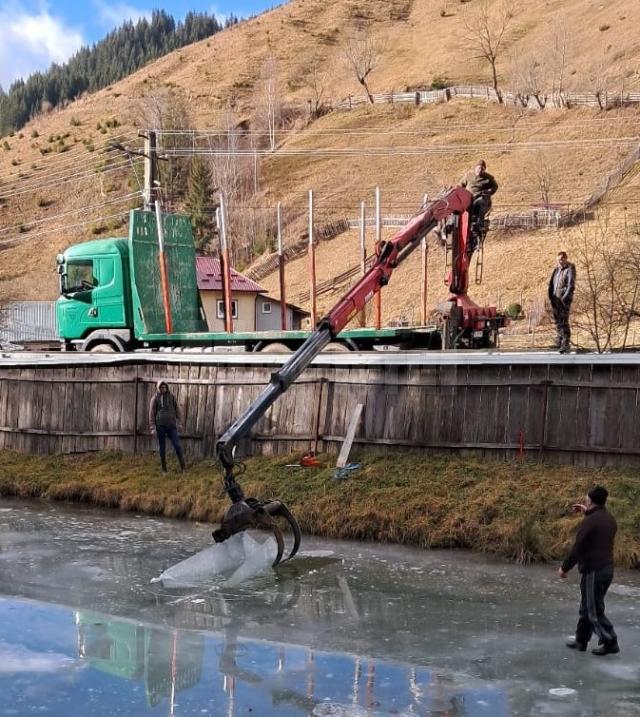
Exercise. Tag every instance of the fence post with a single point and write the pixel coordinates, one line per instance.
(135, 411)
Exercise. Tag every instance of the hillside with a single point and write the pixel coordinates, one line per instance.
(57, 189)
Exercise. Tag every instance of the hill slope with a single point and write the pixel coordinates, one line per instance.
(57, 189)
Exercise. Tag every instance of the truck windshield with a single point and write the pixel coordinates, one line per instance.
(79, 277)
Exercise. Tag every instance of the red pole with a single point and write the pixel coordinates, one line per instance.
(225, 267)
(363, 255)
(164, 274)
(378, 296)
(423, 297)
(312, 264)
(283, 299)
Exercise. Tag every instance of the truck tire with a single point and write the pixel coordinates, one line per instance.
(102, 348)
(275, 348)
(336, 347)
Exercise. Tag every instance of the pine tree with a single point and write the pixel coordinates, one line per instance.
(200, 204)
(123, 51)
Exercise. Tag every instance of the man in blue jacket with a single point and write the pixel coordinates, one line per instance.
(593, 553)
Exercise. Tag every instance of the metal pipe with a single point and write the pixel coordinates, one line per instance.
(164, 274)
(378, 297)
(221, 215)
(283, 300)
(312, 264)
(363, 254)
(423, 286)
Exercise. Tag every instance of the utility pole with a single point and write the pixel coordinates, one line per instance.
(151, 179)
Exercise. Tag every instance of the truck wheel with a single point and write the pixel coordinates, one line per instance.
(275, 348)
(102, 348)
(335, 347)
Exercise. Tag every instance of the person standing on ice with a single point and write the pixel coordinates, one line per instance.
(164, 419)
(593, 553)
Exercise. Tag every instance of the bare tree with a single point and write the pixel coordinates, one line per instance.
(543, 177)
(316, 82)
(363, 54)
(557, 62)
(599, 80)
(165, 110)
(607, 299)
(486, 35)
(269, 101)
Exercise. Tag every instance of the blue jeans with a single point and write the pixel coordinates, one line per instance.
(172, 433)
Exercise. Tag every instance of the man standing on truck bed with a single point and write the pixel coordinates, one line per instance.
(164, 417)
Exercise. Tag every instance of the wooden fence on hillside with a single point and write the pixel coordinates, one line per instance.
(576, 412)
(602, 100)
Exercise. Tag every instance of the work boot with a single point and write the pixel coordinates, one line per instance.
(607, 648)
(575, 645)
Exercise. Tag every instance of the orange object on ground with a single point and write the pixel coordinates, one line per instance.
(310, 461)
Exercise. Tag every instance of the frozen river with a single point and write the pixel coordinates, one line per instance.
(346, 629)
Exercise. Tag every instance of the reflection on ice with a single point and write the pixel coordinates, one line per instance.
(17, 658)
(240, 558)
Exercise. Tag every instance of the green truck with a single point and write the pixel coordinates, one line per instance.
(111, 300)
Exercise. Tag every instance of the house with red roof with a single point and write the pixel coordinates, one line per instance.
(252, 309)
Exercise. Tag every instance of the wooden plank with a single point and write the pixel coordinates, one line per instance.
(343, 457)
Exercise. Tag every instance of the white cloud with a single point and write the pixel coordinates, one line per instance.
(114, 15)
(32, 41)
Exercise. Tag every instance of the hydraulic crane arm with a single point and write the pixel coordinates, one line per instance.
(248, 512)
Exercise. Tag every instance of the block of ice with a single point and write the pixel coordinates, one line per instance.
(237, 559)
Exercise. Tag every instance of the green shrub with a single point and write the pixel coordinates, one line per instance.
(514, 311)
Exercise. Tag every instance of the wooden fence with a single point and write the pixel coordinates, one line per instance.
(601, 100)
(558, 410)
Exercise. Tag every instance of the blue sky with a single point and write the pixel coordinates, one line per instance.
(34, 33)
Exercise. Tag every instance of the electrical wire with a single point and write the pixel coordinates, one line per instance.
(57, 162)
(115, 200)
(46, 232)
(79, 175)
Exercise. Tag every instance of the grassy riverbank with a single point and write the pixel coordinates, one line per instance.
(519, 511)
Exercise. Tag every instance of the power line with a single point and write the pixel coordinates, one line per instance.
(118, 164)
(115, 200)
(46, 232)
(56, 162)
(382, 151)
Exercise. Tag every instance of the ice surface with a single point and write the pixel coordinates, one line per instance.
(239, 558)
(334, 709)
(562, 691)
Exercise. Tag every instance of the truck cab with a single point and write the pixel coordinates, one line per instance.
(95, 295)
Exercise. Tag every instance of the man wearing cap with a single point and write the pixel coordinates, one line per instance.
(483, 186)
(593, 553)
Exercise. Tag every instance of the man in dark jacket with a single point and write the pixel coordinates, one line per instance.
(593, 553)
(483, 186)
(561, 287)
(164, 417)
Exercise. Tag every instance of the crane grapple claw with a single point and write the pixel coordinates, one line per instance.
(251, 513)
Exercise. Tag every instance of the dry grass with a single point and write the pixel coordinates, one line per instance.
(307, 33)
(519, 511)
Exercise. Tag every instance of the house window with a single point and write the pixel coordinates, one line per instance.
(266, 307)
(220, 309)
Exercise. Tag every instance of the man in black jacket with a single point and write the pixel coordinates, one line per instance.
(561, 287)
(593, 552)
